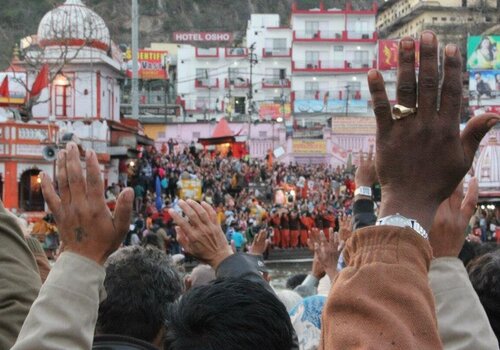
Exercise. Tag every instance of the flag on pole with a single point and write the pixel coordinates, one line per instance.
(4, 88)
(41, 81)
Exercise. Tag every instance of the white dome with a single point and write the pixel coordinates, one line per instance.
(487, 168)
(73, 24)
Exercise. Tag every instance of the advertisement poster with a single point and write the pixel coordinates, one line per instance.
(483, 52)
(331, 106)
(317, 147)
(153, 65)
(354, 125)
(270, 111)
(484, 88)
(388, 54)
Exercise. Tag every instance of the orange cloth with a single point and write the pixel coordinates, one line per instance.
(285, 239)
(304, 235)
(382, 299)
(294, 238)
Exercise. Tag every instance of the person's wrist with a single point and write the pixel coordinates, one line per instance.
(96, 256)
(406, 205)
(219, 258)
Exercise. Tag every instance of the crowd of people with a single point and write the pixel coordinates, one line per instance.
(402, 276)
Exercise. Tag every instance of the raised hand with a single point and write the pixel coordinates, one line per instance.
(345, 227)
(366, 174)
(85, 224)
(422, 158)
(327, 252)
(260, 243)
(199, 234)
(447, 234)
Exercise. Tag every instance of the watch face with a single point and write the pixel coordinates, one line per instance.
(397, 220)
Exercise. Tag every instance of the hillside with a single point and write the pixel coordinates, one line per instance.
(159, 18)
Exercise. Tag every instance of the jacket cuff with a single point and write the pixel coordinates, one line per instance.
(389, 245)
(237, 265)
(447, 273)
(363, 206)
(78, 275)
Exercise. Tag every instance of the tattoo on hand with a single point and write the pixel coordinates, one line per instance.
(79, 234)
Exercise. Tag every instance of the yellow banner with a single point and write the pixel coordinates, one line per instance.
(309, 147)
(191, 189)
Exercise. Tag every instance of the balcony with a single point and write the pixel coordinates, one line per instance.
(334, 94)
(207, 53)
(332, 66)
(206, 83)
(236, 52)
(276, 53)
(237, 83)
(276, 83)
(361, 36)
(322, 10)
(320, 35)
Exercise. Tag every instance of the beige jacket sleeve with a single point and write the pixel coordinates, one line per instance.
(65, 313)
(19, 279)
(382, 299)
(462, 321)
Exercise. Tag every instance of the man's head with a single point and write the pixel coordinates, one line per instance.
(229, 314)
(140, 284)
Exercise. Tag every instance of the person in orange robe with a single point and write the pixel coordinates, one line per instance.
(307, 223)
(285, 231)
(293, 224)
(275, 223)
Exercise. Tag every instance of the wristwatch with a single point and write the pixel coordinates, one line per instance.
(363, 191)
(401, 221)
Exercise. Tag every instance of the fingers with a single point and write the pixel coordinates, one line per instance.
(361, 157)
(123, 211)
(95, 185)
(50, 195)
(381, 105)
(370, 154)
(407, 82)
(451, 90)
(470, 201)
(76, 180)
(182, 238)
(62, 178)
(474, 132)
(210, 211)
(203, 217)
(428, 75)
(191, 215)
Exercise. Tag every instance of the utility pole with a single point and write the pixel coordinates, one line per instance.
(135, 59)
(253, 60)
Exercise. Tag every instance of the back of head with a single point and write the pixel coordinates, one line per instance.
(484, 274)
(140, 283)
(229, 314)
(289, 298)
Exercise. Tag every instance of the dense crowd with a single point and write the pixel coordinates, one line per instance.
(402, 276)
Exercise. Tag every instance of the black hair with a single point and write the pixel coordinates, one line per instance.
(140, 283)
(229, 314)
(295, 280)
(483, 274)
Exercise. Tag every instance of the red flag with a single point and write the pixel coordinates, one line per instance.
(4, 88)
(41, 81)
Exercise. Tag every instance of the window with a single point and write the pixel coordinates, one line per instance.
(263, 134)
(196, 135)
(361, 56)
(443, 19)
(238, 75)
(311, 89)
(338, 49)
(276, 46)
(63, 100)
(312, 58)
(312, 29)
(434, 19)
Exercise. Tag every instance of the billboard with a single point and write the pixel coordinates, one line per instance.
(202, 36)
(388, 54)
(274, 111)
(317, 147)
(354, 125)
(153, 65)
(484, 88)
(330, 106)
(483, 52)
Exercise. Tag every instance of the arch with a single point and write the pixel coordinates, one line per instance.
(30, 191)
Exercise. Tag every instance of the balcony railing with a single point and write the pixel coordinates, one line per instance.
(236, 52)
(275, 83)
(334, 94)
(335, 35)
(266, 53)
(237, 83)
(206, 83)
(321, 9)
(333, 66)
(207, 53)
(360, 36)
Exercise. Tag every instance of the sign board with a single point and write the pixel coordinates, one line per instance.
(191, 189)
(311, 147)
(153, 65)
(354, 125)
(330, 106)
(484, 88)
(388, 54)
(274, 111)
(483, 52)
(202, 36)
